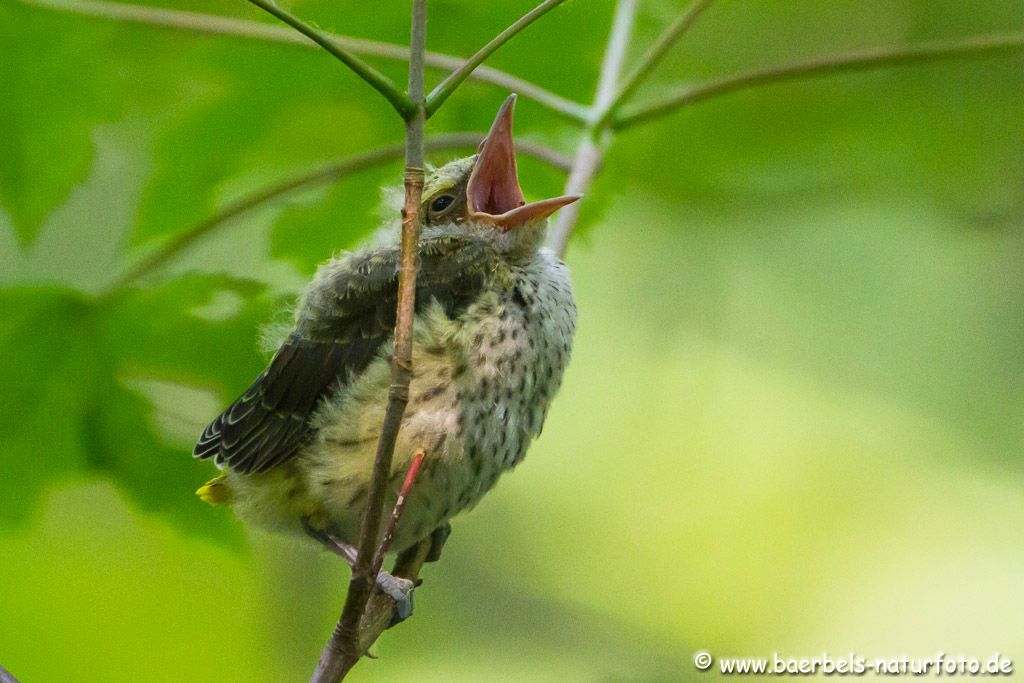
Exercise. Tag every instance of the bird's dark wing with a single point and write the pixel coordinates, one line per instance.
(346, 318)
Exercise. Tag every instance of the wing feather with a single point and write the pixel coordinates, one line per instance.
(346, 319)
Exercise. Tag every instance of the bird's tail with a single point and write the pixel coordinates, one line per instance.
(216, 491)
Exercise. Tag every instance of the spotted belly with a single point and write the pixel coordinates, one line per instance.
(479, 395)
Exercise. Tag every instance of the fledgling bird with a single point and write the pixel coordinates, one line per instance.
(493, 330)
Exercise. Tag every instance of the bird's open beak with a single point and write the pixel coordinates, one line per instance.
(494, 194)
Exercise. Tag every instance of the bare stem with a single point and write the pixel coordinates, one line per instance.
(589, 154)
(970, 46)
(346, 647)
(609, 97)
(329, 173)
(242, 28)
(6, 676)
(205, 227)
(448, 86)
(669, 37)
(402, 103)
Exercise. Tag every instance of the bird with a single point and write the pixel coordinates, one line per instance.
(493, 328)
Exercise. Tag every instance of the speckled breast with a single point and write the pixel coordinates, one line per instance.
(510, 351)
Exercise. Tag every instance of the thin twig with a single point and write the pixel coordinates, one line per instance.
(669, 37)
(6, 676)
(589, 153)
(551, 157)
(397, 510)
(346, 647)
(378, 81)
(325, 174)
(331, 172)
(446, 87)
(609, 97)
(203, 228)
(243, 28)
(970, 46)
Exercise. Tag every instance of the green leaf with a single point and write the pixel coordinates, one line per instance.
(47, 147)
(46, 380)
(118, 431)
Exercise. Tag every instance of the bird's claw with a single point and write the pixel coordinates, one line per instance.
(400, 590)
(395, 587)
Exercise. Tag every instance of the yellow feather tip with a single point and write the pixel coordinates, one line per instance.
(215, 491)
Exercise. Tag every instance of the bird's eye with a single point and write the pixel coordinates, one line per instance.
(441, 203)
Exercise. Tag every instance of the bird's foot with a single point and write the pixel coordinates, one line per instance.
(437, 540)
(398, 589)
(345, 551)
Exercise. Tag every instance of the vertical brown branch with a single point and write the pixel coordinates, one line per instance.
(344, 648)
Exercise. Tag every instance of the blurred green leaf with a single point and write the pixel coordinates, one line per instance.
(70, 404)
(46, 380)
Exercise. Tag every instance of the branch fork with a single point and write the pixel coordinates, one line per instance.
(611, 111)
(347, 645)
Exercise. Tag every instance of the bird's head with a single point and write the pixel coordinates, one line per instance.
(481, 193)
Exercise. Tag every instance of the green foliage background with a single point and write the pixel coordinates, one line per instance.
(793, 421)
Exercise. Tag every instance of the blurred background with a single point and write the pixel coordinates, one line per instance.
(793, 421)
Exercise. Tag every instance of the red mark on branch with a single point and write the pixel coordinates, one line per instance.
(396, 512)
